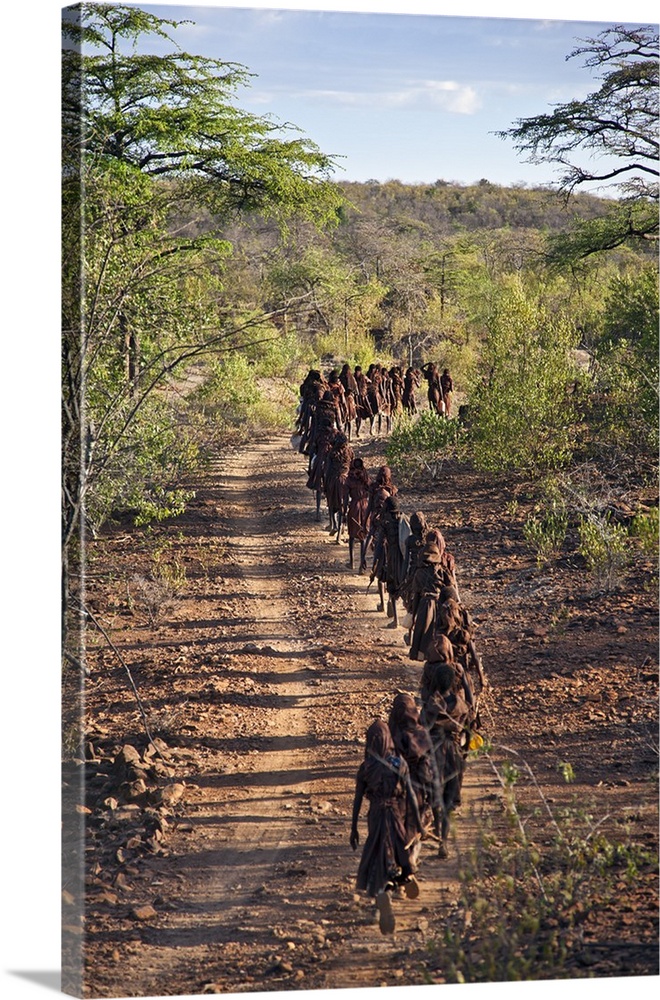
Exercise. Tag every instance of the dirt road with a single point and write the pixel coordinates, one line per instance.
(261, 678)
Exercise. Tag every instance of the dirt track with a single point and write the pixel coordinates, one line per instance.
(263, 677)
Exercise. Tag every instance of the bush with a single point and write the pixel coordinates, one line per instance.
(359, 350)
(627, 366)
(235, 402)
(521, 406)
(527, 890)
(280, 354)
(645, 528)
(546, 530)
(604, 546)
(424, 443)
(158, 504)
(160, 446)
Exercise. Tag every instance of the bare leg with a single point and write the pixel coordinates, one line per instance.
(395, 617)
(381, 594)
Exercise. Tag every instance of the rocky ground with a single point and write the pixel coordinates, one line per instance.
(217, 856)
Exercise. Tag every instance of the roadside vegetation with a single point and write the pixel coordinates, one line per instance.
(536, 884)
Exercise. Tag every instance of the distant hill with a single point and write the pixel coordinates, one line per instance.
(443, 208)
(426, 211)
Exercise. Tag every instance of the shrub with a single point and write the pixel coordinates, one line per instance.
(160, 446)
(521, 402)
(627, 366)
(235, 403)
(157, 593)
(645, 528)
(604, 546)
(424, 443)
(528, 886)
(546, 530)
(280, 353)
(359, 349)
(157, 504)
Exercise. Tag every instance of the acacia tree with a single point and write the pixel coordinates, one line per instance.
(148, 140)
(611, 136)
(147, 137)
(173, 115)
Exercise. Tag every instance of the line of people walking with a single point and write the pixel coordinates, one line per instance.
(374, 397)
(413, 767)
(332, 411)
(414, 761)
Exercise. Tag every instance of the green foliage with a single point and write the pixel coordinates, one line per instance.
(230, 389)
(527, 893)
(159, 504)
(279, 355)
(175, 115)
(645, 527)
(631, 310)
(423, 443)
(461, 359)
(138, 467)
(627, 372)
(360, 350)
(233, 404)
(623, 224)
(334, 304)
(546, 530)
(458, 209)
(604, 546)
(521, 406)
(148, 141)
(510, 773)
(566, 771)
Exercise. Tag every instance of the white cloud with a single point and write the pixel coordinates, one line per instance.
(268, 18)
(455, 98)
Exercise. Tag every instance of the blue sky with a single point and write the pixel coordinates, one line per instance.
(410, 96)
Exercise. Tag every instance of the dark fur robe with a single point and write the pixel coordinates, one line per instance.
(445, 717)
(383, 779)
(357, 484)
(335, 474)
(413, 742)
